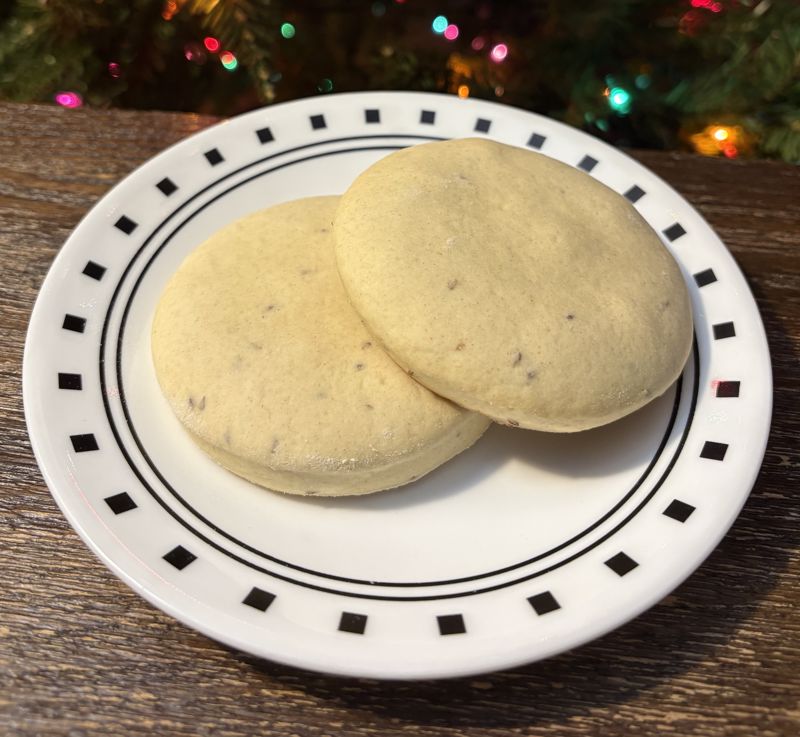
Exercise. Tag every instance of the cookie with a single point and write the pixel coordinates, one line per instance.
(513, 284)
(266, 364)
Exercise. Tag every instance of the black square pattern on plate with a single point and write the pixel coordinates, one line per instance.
(704, 278)
(544, 603)
(536, 140)
(451, 624)
(714, 451)
(180, 557)
(674, 232)
(259, 599)
(621, 563)
(125, 224)
(84, 443)
(724, 330)
(728, 389)
(318, 121)
(214, 157)
(482, 125)
(372, 116)
(634, 194)
(678, 510)
(351, 622)
(74, 323)
(120, 503)
(587, 163)
(94, 271)
(428, 117)
(70, 381)
(265, 135)
(167, 186)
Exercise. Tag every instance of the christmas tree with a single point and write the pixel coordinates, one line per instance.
(721, 77)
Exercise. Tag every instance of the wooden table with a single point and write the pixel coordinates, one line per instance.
(81, 654)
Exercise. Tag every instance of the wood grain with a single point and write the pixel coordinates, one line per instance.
(82, 655)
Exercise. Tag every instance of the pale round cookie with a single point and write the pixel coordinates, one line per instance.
(513, 284)
(270, 369)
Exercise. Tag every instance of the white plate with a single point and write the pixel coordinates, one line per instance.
(524, 546)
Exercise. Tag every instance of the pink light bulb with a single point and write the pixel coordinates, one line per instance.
(69, 99)
(451, 32)
(498, 52)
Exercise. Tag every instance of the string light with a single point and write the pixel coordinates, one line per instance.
(619, 100)
(463, 91)
(114, 69)
(498, 52)
(499, 90)
(451, 32)
(287, 30)
(690, 22)
(228, 60)
(211, 43)
(478, 43)
(439, 24)
(194, 52)
(68, 99)
(326, 85)
(716, 139)
(713, 5)
(170, 8)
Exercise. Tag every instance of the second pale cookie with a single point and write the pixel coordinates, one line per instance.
(513, 284)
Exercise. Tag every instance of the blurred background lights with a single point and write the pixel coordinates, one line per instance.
(451, 32)
(498, 52)
(229, 60)
(326, 85)
(721, 134)
(68, 99)
(463, 91)
(669, 91)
